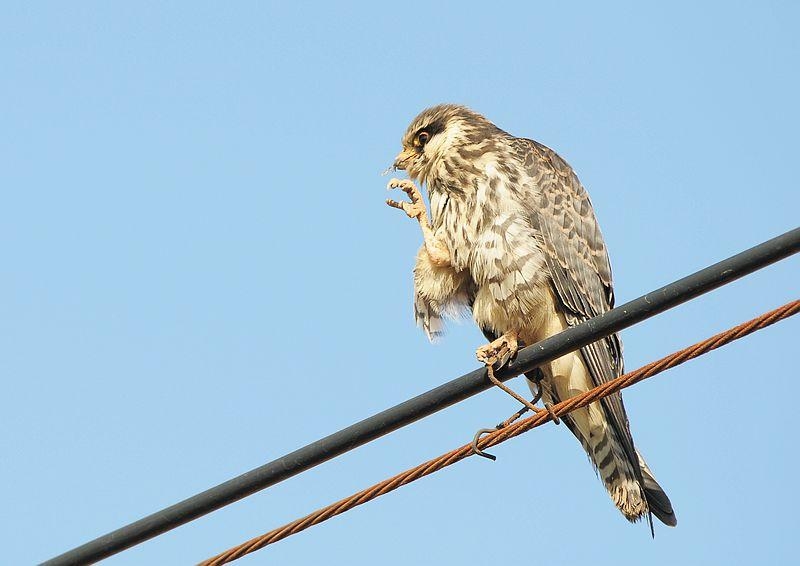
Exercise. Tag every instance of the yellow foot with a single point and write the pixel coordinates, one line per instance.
(415, 208)
(499, 352)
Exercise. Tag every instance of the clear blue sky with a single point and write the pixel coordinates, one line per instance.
(198, 272)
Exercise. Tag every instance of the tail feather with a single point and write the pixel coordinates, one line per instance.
(628, 480)
(634, 498)
(609, 459)
(617, 473)
(657, 499)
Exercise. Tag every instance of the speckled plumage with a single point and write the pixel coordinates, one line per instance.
(513, 238)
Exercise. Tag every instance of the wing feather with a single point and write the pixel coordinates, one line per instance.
(577, 258)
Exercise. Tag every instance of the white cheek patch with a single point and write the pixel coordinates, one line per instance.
(443, 141)
(434, 147)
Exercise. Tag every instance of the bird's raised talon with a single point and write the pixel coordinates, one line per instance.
(412, 210)
(407, 187)
(415, 208)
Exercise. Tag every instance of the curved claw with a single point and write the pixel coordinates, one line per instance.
(413, 209)
(499, 352)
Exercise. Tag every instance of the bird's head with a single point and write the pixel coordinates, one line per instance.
(439, 133)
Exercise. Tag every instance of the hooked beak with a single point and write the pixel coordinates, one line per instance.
(402, 158)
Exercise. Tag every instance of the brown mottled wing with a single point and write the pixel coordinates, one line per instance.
(578, 261)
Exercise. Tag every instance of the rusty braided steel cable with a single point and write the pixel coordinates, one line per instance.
(511, 430)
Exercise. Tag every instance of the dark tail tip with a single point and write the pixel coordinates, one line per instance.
(657, 499)
(665, 514)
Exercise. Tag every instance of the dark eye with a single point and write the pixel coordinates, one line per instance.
(423, 137)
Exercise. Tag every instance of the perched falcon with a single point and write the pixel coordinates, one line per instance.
(512, 236)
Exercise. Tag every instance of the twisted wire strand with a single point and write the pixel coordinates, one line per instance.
(501, 435)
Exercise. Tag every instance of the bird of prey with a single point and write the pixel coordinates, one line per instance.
(513, 238)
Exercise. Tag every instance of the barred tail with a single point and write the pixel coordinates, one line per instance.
(632, 497)
(626, 477)
(615, 470)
